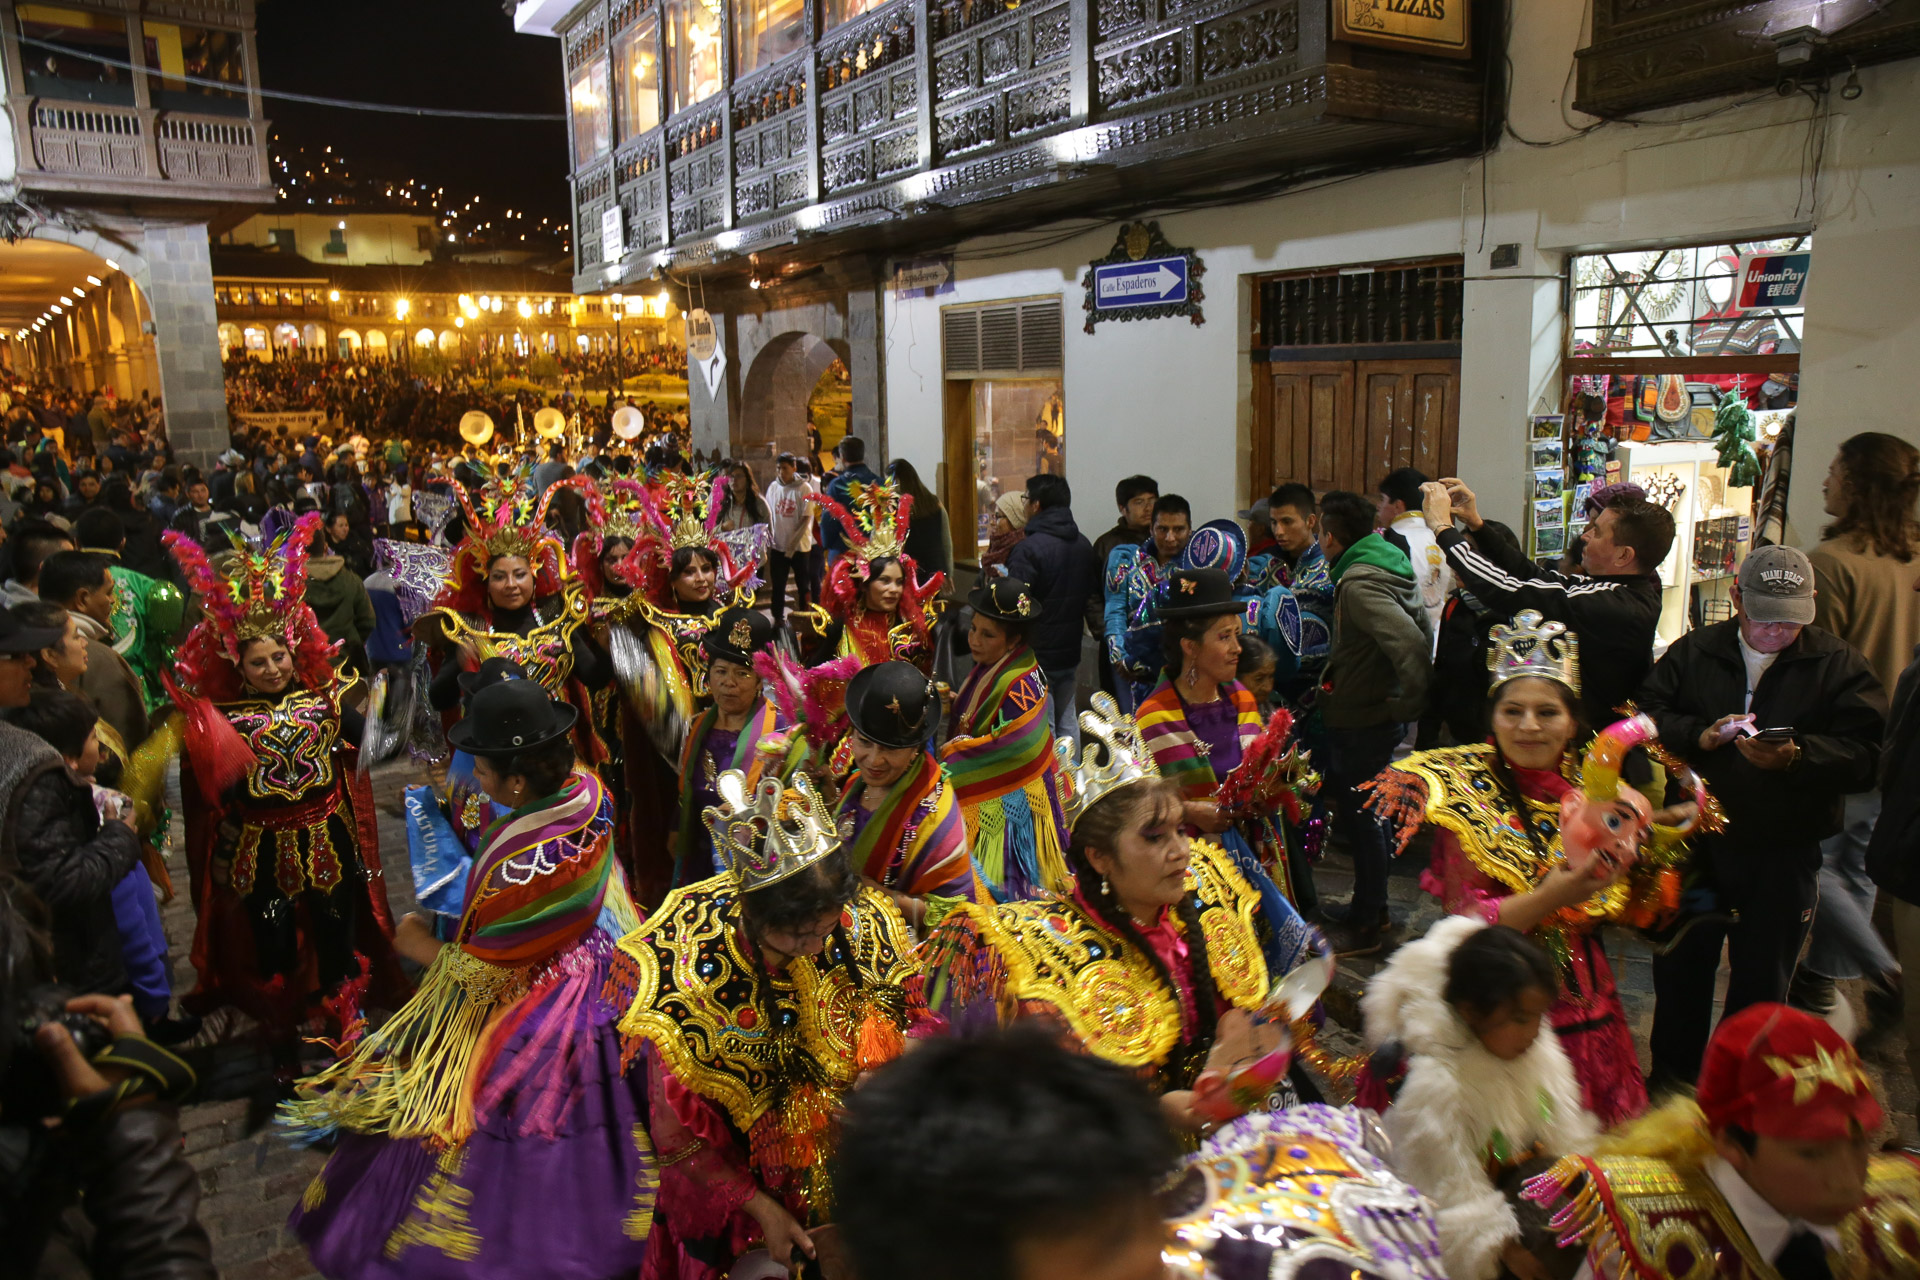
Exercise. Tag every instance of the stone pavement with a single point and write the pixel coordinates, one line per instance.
(251, 1180)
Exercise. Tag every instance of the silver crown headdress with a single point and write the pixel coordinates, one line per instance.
(1533, 647)
(772, 833)
(1126, 758)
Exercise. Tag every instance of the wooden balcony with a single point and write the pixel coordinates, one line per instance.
(926, 120)
(96, 148)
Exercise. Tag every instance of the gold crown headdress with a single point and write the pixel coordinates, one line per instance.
(618, 510)
(249, 592)
(1533, 647)
(876, 528)
(769, 834)
(506, 518)
(685, 510)
(1126, 758)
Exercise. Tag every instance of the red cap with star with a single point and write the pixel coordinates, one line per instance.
(1783, 1073)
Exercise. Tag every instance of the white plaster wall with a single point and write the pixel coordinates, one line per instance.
(1174, 400)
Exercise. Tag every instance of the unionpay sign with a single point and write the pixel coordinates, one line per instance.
(1769, 280)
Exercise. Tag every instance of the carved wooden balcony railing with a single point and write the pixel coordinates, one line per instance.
(147, 150)
(973, 108)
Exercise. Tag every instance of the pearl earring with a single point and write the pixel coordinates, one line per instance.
(1106, 890)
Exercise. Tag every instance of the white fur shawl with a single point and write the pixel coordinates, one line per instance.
(1457, 1096)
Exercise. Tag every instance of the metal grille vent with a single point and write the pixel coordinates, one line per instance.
(1003, 338)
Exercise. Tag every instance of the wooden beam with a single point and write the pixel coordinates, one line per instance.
(1786, 362)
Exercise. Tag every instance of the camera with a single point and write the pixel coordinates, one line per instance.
(30, 1089)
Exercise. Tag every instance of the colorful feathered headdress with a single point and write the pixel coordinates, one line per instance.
(876, 532)
(677, 512)
(616, 512)
(504, 518)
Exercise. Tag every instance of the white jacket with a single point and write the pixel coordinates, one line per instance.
(790, 514)
(1457, 1096)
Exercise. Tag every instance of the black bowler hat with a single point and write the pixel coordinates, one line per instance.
(508, 716)
(492, 671)
(1199, 593)
(17, 637)
(1004, 599)
(738, 634)
(890, 703)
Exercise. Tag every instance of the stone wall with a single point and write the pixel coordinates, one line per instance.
(187, 339)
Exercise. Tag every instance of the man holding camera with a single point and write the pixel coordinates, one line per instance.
(1783, 719)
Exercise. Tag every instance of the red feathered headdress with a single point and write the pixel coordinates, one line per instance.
(679, 511)
(876, 530)
(616, 512)
(505, 518)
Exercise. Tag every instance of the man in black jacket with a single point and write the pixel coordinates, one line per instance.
(51, 836)
(1613, 606)
(1893, 855)
(1057, 561)
(1716, 695)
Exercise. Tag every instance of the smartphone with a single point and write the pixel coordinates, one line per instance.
(1777, 734)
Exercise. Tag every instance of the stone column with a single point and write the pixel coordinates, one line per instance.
(187, 339)
(867, 351)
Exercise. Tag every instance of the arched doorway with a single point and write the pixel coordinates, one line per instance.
(377, 344)
(449, 341)
(778, 391)
(314, 339)
(231, 342)
(287, 338)
(347, 342)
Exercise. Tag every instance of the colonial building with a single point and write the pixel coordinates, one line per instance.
(1233, 242)
(133, 131)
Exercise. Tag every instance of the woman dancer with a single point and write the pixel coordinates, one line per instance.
(502, 1078)
(760, 996)
(876, 605)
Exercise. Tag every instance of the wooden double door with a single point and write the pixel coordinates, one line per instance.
(1344, 424)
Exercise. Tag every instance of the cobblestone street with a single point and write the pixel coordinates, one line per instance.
(251, 1180)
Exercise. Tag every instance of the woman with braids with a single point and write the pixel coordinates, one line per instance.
(489, 1130)
(999, 750)
(1200, 722)
(757, 998)
(282, 843)
(875, 605)
(1153, 957)
(1529, 836)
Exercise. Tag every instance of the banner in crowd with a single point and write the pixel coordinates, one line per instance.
(304, 419)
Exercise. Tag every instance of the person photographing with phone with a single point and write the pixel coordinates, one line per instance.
(1783, 719)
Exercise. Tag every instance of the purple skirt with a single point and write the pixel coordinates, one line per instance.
(556, 1183)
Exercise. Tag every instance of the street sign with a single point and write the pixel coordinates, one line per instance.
(613, 236)
(916, 274)
(1769, 280)
(1151, 282)
(701, 338)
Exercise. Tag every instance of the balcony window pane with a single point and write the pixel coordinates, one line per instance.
(636, 75)
(60, 61)
(182, 60)
(765, 31)
(693, 50)
(592, 113)
(835, 12)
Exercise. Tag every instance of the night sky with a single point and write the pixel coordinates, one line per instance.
(443, 53)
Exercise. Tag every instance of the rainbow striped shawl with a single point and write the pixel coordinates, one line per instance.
(1006, 780)
(1162, 718)
(915, 841)
(540, 879)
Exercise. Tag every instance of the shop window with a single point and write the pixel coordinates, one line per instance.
(637, 78)
(1005, 412)
(62, 63)
(200, 69)
(765, 31)
(222, 295)
(592, 115)
(693, 50)
(314, 297)
(336, 245)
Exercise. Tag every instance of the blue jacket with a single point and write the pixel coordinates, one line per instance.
(1057, 561)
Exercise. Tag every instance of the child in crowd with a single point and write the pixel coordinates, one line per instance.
(1486, 1087)
(69, 723)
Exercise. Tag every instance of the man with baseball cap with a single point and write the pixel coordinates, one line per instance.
(1783, 719)
(1769, 1171)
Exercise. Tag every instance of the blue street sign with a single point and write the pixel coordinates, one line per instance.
(1147, 283)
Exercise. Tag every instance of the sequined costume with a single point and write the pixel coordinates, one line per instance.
(147, 615)
(1481, 855)
(876, 532)
(1661, 1217)
(1305, 1191)
(282, 841)
(489, 1130)
(1056, 958)
(654, 639)
(737, 1105)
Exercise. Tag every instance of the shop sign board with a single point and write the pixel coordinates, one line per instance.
(701, 337)
(613, 235)
(1144, 278)
(1424, 26)
(1772, 280)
